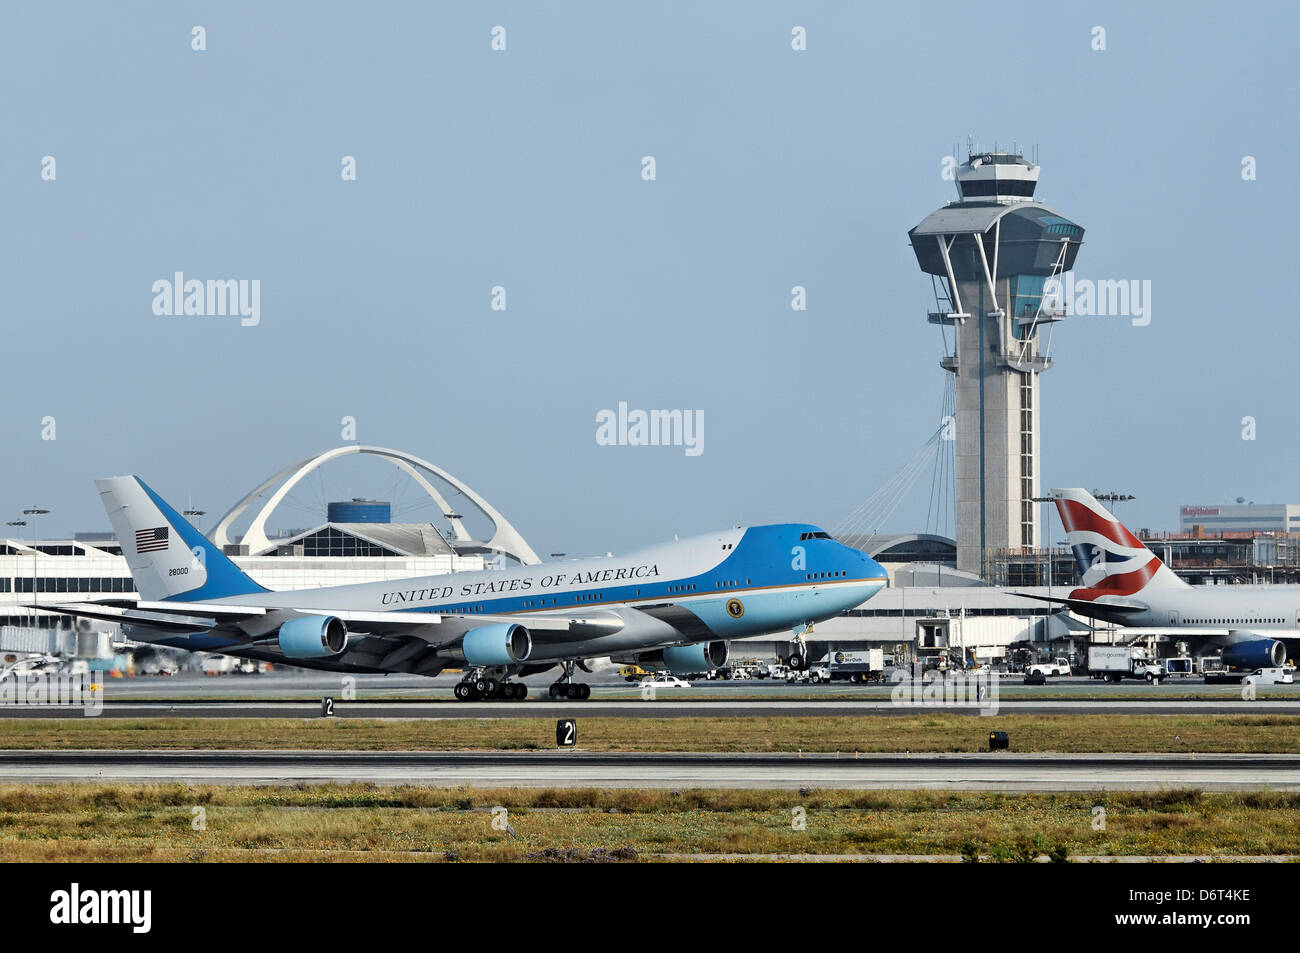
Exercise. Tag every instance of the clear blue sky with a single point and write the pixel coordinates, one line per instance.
(522, 169)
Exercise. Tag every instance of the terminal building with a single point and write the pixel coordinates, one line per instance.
(1241, 517)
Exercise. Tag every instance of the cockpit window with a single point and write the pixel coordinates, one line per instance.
(817, 535)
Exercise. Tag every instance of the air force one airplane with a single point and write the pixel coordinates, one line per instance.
(1126, 584)
(673, 605)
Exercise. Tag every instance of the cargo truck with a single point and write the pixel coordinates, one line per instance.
(864, 666)
(1116, 662)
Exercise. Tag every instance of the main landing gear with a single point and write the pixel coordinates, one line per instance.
(478, 685)
(566, 687)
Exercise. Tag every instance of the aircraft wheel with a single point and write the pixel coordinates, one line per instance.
(584, 691)
(521, 691)
(464, 692)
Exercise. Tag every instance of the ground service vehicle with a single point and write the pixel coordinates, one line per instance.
(1269, 676)
(664, 680)
(1057, 666)
(1117, 662)
(865, 666)
(814, 674)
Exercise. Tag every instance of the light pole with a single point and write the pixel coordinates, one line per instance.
(35, 512)
(16, 523)
(1113, 498)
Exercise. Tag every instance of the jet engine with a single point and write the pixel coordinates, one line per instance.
(312, 636)
(502, 643)
(687, 659)
(1263, 653)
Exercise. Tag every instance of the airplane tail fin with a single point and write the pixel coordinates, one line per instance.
(1111, 560)
(168, 557)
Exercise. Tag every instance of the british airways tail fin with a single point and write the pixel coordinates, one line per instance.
(1112, 561)
(168, 558)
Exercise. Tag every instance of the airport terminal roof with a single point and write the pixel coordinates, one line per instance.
(362, 539)
(904, 547)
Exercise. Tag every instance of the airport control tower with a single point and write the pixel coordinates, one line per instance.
(989, 255)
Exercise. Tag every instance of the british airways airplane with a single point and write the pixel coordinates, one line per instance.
(1126, 583)
(674, 605)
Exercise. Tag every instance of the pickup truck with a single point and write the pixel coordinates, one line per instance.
(1057, 666)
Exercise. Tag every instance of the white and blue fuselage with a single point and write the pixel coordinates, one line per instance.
(734, 584)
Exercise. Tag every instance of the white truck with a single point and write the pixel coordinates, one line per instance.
(864, 666)
(1057, 666)
(1116, 662)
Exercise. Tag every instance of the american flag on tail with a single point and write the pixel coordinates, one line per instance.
(151, 540)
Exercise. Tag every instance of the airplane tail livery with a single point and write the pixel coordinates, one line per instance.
(1112, 561)
(167, 556)
(1127, 584)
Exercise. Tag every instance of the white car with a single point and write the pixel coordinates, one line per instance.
(1269, 676)
(664, 680)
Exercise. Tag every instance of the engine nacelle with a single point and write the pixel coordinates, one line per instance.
(503, 643)
(312, 636)
(700, 657)
(1264, 653)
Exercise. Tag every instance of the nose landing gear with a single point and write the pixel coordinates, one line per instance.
(797, 660)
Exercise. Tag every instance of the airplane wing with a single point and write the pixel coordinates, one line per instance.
(397, 641)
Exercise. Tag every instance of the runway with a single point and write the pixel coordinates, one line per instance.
(968, 772)
(675, 707)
